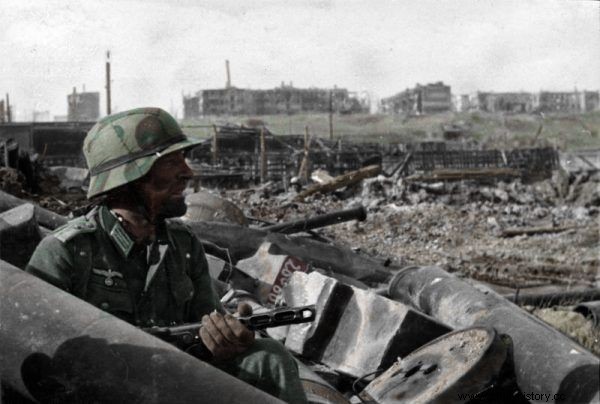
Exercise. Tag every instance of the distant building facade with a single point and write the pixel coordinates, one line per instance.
(543, 101)
(421, 100)
(84, 106)
(281, 100)
(591, 101)
(191, 106)
(551, 101)
(504, 102)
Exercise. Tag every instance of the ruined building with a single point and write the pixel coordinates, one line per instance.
(420, 100)
(504, 102)
(281, 100)
(523, 102)
(575, 101)
(84, 106)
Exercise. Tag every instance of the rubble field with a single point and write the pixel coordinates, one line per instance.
(467, 228)
(463, 227)
(395, 310)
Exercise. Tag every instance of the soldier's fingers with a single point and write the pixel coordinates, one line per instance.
(243, 335)
(213, 330)
(244, 309)
(208, 340)
(223, 327)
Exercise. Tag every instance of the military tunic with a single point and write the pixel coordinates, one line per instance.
(165, 283)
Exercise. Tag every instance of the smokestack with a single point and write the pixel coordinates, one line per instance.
(73, 114)
(8, 110)
(228, 84)
(107, 82)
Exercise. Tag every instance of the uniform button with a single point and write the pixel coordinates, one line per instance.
(104, 305)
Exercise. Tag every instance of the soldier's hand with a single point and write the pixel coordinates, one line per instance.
(224, 336)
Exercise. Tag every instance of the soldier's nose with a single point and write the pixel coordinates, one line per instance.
(185, 172)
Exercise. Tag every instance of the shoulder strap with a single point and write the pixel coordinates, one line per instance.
(75, 227)
(81, 249)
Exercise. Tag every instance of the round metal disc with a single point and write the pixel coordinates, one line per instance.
(461, 362)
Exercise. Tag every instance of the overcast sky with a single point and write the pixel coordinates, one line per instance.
(161, 48)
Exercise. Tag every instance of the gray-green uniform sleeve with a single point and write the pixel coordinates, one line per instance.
(266, 365)
(52, 262)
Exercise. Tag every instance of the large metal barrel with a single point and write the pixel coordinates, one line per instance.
(547, 363)
(57, 348)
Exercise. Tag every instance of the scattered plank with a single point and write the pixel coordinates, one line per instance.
(341, 181)
(529, 231)
(465, 174)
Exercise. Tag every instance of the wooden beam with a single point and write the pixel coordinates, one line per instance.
(341, 181)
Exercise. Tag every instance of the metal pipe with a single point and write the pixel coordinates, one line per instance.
(590, 309)
(553, 299)
(547, 363)
(57, 348)
(44, 217)
(243, 242)
(359, 213)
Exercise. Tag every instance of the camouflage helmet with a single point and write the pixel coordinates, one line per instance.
(122, 147)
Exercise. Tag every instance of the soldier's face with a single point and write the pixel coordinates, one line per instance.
(163, 186)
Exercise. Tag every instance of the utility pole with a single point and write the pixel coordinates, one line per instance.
(330, 115)
(263, 157)
(108, 110)
(303, 170)
(215, 146)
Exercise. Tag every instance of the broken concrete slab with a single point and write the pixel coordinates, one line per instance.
(463, 363)
(19, 235)
(70, 177)
(356, 331)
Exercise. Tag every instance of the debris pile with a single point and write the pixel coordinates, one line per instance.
(512, 234)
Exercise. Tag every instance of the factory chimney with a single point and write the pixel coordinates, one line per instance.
(228, 84)
(8, 109)
(107, 82)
